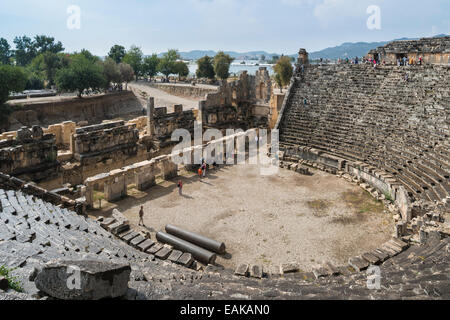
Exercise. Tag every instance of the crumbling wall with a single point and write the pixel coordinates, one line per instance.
(31, 155)
(432, 51)
(240, 104)
(166, 123)
(115, 140)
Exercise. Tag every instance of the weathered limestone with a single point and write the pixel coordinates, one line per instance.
(83, 280)
(150, 116)
(32, 155)
(115, 140)
(145, 176)
(432, 51)
(115, 188)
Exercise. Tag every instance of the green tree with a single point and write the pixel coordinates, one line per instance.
(182, 69)
(126, 73)
(283, 71)
(25, 50)
(167, 64)
(111, 72)
(81, 74)
(134, 58)
(45, 44)
(5, 51)
(150, 65)
(12, 79)
(117, 53)
(205, 68)
(222, 64)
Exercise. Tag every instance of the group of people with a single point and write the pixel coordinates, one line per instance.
(403, 62)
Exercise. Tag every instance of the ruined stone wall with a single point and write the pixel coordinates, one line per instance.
(432, 50)
(91, 109)
(239, 104)
(98, 143)
(166, 123)
(31, 155)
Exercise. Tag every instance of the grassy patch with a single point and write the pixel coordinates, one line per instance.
(320, 207)
(363, 202)
(12, 281)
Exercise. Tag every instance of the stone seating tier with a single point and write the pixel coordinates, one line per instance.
(376, 117)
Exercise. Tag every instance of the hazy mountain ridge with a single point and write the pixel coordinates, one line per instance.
(347, 49)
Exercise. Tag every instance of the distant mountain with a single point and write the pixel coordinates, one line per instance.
(348, 49)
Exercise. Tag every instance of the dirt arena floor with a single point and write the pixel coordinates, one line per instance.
(269, 220)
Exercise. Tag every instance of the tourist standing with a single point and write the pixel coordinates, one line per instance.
(180, 187)
(200, 172)
(141, 216)
(204, 169)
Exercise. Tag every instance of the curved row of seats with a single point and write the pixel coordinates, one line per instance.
(379, 118)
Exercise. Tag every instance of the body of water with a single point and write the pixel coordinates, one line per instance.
(237, 67)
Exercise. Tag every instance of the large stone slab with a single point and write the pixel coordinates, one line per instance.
(358, 263)
(83, 280)
(242, 270)
(186, 259)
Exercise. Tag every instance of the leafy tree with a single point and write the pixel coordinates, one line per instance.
(5, 51)
(167, 64)
(111, 72)
(51, 66)
(34, 82)
(150, 65)
(283, 71)
(182, 69)
(45, 44)
(126, 73)
(25, 50)
(117, 53)
(81, 74)
(222, 64)
(12, 79)
(134, 58)
(88, 55)
(205, 68)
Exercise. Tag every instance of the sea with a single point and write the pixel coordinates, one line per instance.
(237, 67)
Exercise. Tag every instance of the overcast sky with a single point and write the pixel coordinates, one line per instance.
(281, 26)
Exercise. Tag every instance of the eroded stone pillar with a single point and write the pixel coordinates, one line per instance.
(150, 116)
(145, 176)
(169, 168)
(115, 187)
(88, 192)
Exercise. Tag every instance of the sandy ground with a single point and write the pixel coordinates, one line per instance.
(162, 98)
(270, 220)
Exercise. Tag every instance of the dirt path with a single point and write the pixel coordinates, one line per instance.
(163, 99)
